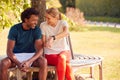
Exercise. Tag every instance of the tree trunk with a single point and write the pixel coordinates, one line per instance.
(39, 5)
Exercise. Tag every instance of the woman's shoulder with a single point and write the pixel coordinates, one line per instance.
(63, 21)
(43, 23)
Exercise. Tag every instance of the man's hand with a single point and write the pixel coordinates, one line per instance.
(25, 65)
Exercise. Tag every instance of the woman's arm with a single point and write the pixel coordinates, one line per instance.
(62, 34)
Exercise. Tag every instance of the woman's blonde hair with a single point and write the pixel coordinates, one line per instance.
(54, 12)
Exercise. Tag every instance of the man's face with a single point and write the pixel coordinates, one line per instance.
(32, 21)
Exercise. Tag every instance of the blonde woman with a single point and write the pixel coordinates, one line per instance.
(56, 49)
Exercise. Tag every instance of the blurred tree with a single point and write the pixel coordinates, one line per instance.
(70, 3)
(99, 7)
(10, 11)
(39, 5)
(53, 3)
(67, 3)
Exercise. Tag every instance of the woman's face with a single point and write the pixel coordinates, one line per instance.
(50, 19)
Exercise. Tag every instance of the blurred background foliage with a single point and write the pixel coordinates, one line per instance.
(94, 10)
(10, 11)
(110, 8)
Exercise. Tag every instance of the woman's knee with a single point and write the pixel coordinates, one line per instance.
(62, 58)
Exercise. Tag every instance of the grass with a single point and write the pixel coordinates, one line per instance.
(94, 28)
(110, 29)
(93, 41)
(103, 19)
(102, 43)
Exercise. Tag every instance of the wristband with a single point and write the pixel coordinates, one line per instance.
(53, 37)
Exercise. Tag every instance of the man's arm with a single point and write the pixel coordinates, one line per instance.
(39, 50)
(10, 54)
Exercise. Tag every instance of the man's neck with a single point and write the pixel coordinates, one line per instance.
(25, 27)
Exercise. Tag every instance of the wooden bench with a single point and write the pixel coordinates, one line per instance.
(80, 61)
(18, 74)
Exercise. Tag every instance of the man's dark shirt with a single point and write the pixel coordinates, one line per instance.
(24, 39)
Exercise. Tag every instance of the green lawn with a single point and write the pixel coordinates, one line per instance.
(103, 19)
(102, 43)
(95, 42)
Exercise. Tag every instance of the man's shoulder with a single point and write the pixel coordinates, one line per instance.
(14, 31)
(16, 26)
(37, 28)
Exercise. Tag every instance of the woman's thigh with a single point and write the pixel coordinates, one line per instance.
(52, 59)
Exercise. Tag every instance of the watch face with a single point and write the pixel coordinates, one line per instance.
(53, 37)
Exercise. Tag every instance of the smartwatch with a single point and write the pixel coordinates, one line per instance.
(53, 37)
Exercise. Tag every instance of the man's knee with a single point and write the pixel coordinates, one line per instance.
(5, 63)
(42, 61)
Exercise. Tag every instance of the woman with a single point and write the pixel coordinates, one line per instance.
(56, 49)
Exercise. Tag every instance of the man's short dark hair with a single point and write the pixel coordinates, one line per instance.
(28, 12)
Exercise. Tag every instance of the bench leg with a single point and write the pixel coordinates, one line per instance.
(18, 74)
(100, 72)
(91, 72)
(56, 78)
(29, 75)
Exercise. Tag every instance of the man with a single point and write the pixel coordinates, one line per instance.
(24, 47)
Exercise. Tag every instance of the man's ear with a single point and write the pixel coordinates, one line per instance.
(26, 20)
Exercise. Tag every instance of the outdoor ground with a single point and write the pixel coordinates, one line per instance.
(102, 43)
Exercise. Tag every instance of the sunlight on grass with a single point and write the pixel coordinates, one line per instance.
(103, 19)
(96, 41)
(102, 43)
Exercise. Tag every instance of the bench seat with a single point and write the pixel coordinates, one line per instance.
(79, 61)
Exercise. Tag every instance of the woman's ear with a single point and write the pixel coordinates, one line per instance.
(60, 17)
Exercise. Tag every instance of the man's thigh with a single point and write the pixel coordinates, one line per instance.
(39, 62)
(6, 62)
